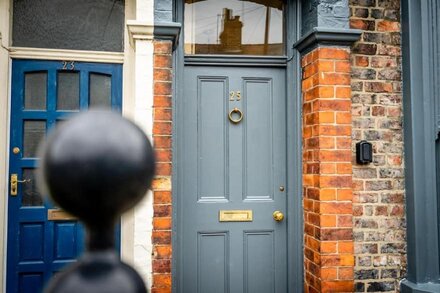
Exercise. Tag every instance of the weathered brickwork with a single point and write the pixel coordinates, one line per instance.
(378, 200)
(327, 169)
(162, 131)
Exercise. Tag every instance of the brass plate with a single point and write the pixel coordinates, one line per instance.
(59, 215)
(235, 216)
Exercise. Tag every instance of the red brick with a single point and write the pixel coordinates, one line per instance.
(337, 286)
(163, 47)
(362, 61)
(162, 101)
(333, 53)
(161, 266)
(161, 237)
(343, 66)
(162, 281)
(163, 155)
(162, 61)
(336, 208)
(343, 92)
(334, 78)
(162, 251)
(162, 210)
(162, 141)
(388, 26)
(162, 128)
(162, 223)
(161, 197)
(161, 74)
(162, 88)
(163, 169)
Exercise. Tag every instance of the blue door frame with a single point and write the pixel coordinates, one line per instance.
(37, 247)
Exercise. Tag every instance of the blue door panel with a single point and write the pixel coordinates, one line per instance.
(38, 247)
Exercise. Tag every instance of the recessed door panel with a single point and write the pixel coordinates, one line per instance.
(259, 262)
(213, 183)
(31, 241)
(213, 262)
(258, 128)
(65, 246)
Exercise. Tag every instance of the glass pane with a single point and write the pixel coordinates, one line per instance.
(68, 91)
(35, 89)
(100, 90)
(69, 24)
(254, 27)
(33, 133)
(31, 196)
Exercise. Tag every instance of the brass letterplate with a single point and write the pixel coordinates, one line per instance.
(235, 216)
(59, 215)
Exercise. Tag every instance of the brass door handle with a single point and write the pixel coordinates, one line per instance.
(278, 216)
(14, 183)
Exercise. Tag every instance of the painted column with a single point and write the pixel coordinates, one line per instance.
(327, 155)
(138, 223)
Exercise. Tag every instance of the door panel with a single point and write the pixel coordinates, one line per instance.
(233, 166)
(44, 93)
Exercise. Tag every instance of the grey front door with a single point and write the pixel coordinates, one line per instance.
(233, 180)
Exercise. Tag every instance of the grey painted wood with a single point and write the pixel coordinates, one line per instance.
(420, 88)
(233, 167)
(293, 191)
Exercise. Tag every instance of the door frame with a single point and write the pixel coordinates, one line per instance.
(294, 203)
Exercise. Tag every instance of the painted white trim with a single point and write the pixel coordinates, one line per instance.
(137, 224)
(4, 132)
(140, 30)
(70, 55)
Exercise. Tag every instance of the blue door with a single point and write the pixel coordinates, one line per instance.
(42, 239)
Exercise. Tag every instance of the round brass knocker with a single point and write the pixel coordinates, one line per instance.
(240, 115)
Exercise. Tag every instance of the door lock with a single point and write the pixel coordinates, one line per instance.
(14, 183)
(278, 216)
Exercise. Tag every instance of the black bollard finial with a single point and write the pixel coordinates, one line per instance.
(96, 166)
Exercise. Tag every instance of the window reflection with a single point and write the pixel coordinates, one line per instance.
(234, 27)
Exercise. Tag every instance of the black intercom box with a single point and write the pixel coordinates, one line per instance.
(364, 152)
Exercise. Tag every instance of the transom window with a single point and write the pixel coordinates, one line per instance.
(252, 27)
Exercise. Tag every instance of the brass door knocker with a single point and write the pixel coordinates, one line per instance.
(240, 115)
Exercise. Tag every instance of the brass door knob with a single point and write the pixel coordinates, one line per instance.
(278, 216)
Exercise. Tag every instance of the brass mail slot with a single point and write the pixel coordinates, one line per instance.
(59, 215)
(236, 216)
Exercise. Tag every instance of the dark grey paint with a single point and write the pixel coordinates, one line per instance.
(233, 167)
(167, 31)
(420, 43)
(325, 14)
(63, 24)
(163, 11)
(327, 36)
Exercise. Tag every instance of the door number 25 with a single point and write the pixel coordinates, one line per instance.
(234, 96)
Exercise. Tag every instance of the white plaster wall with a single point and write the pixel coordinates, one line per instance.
(4, 126)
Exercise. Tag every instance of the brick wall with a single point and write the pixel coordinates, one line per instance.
(378, 201)
(327, 170)
(162, 131)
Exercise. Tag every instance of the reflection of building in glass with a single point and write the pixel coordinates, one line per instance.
(236, 27)
(230, 37)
